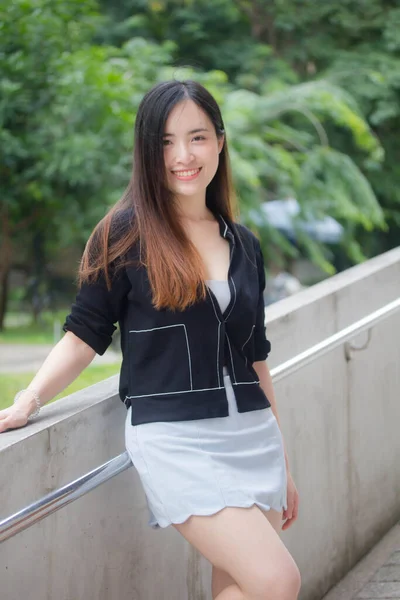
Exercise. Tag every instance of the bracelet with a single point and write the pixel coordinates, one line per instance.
(37, 399)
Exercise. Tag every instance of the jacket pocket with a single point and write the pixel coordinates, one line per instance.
(159, 361)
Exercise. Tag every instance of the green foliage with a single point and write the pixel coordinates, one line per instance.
(34, 43)
(374, 79)
(276, 156)
(67, 115)
(98, 93)
(270, 46)
(309, 93)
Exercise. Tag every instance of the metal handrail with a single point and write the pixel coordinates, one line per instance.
(57, 499)
(332, 342)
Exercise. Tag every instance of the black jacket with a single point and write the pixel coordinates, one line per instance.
(173, 360)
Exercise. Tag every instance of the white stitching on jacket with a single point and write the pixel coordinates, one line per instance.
(226, 226)
(230, 352)
(233, 368)
(248, 339)
(234, 300)
(219, 327)
(187, 344)
(169, 393)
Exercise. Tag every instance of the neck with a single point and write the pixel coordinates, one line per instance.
(194, 211)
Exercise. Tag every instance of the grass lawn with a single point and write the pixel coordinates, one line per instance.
(19, 328)
(10, 384)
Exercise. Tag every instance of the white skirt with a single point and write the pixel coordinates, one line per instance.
(199, 467)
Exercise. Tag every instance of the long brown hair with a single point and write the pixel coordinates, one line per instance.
(147, 213)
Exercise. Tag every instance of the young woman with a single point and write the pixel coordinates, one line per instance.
(185, 282)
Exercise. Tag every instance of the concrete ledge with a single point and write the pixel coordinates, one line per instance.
(332, 285)
(51, 414)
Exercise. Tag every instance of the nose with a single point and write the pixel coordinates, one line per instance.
(184, 153)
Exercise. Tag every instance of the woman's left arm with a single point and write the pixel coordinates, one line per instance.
(264, 375)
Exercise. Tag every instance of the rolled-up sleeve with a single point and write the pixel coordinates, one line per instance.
(96, 310)
(262, 345)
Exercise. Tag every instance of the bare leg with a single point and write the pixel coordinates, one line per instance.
(220, 579)
(233, 592)
(243, 543)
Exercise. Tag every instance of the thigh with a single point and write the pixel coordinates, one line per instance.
(243, 543)
(220, 578)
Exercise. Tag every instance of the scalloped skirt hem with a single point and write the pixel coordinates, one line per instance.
(199, 467)
(161, 523)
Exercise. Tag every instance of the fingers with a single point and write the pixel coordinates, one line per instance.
(289, 521)
(287, 524)
(296, 507)
(288, 516)
(11, 420)
(4, 423)
(288, 513)
(291, 514)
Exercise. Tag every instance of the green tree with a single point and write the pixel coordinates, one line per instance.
(355, 45)
(32, 46)
(266, 46)
(67, 116)
(69, 107)
(208, 35)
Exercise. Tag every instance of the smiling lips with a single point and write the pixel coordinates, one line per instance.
(187, 175)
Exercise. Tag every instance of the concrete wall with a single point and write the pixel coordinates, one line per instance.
(340, 421)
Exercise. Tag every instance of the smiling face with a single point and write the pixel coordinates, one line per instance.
(191, 151)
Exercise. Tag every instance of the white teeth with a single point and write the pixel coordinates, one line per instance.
(186, 173)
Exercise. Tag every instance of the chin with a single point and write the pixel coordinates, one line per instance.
(187, 190)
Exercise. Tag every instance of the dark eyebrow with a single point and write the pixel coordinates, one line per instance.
(189, 132)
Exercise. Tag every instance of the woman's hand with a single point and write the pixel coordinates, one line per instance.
(13, 417)
(290, 514)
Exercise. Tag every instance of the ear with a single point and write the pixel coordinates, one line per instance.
(221, 141)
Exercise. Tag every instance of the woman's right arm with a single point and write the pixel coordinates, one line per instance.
(62, 366)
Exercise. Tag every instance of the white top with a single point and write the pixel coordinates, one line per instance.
(221, 291)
